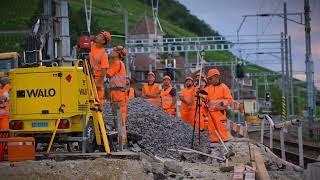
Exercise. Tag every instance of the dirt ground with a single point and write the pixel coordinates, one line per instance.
(81, 169)
(148, 167)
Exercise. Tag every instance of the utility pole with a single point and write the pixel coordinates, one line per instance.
(125, 16)
(309, 68)
(291, 77)
(47, 8)
(286, 84)
(283, 98)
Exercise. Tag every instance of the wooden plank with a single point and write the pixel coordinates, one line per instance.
(238, 172)
(261, 168)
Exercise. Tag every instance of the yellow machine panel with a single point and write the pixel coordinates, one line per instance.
(38, 94)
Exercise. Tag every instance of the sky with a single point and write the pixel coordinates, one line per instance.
(225, 17)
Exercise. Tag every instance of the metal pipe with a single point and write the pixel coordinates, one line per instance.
(271, 137)
(262, 130)
(300, 143)
(283, 150)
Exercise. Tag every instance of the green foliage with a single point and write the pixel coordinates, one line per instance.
(19, 14)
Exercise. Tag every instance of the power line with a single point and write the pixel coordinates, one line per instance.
(271, 18)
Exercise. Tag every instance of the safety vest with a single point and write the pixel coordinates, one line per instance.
(131, 94)
(119, 80)
(4, 104)
(218, 94)
(167, 99)
(152, 89)
(187, 94)
(96, 56)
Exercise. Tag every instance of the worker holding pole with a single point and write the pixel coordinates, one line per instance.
(218, 99)
(187, 100)
(151, 91)
(118, 82)
(168, 96)
(99, 62)
(199, 114)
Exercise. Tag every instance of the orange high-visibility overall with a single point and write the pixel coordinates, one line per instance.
(186, 110)
(4, 109)
(118, 93)
(151, 90)
(218, 95)
(167, 101)
(130, 93)
(201, 123)
(99, 63)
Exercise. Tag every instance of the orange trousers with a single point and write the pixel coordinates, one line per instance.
(4, 121)
(203, 124)
(99, 80)
(118, 96)
(186, 115)
(221, 126)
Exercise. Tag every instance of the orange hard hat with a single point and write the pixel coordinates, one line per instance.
(106, 35)
(122, 51)
(166, 77)
(188, 78)
(213, 72)
(152, 74)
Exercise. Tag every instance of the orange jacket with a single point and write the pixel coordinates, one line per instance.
(98, 60)
(219, 97)
(4, 102)
(117, 74)
(130, 93)
(167, 99)
(151, 90)
(7, 88)
(188, 95)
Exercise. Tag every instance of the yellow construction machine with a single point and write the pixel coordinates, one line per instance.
(57, 104)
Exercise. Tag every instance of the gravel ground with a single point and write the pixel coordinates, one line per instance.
(159, 131)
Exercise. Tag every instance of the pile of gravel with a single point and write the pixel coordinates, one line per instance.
(159, 132)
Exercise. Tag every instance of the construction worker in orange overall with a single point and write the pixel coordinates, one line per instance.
(151, 91)
(99, 62)
(187, 100)
(218, 99)
(201, 123)
(130, 90)
(4, 103)
(168, 96)
(118, 81)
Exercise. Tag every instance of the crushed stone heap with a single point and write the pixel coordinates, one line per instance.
(159, 132)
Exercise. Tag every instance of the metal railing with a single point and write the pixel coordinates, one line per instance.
(295, 123)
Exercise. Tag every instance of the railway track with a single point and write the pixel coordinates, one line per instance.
(311, 153)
